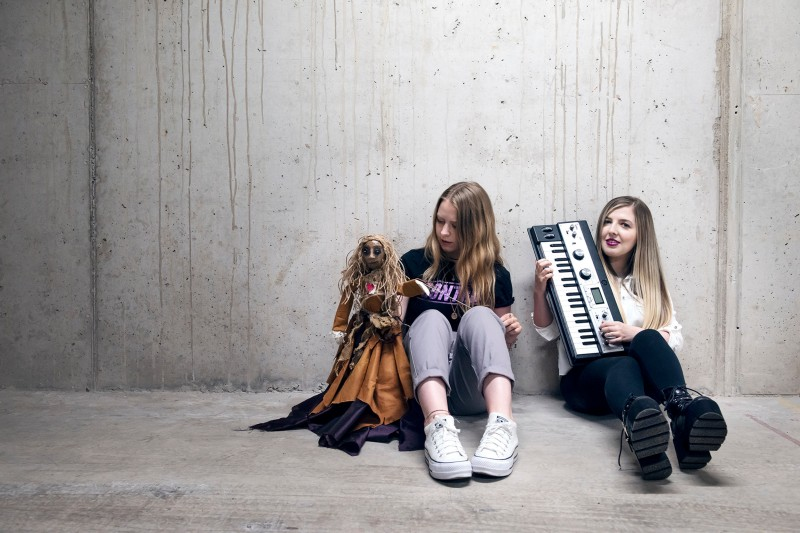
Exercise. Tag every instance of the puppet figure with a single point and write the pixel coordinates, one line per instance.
(367, 288)
(369, 387)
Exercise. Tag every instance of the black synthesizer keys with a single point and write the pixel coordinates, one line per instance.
(579, 294)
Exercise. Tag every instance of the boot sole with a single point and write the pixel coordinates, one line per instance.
(708, 433)
(706, 426)
(655, 467)
(649, 433)
(689, 460)
(649, 439)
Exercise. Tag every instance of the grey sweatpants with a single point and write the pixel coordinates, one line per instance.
(462, 359)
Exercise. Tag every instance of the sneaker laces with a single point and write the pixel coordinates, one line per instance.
(495, 439)
(445, 439)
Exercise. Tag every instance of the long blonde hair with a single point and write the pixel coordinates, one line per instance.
(479, 247)
(644, 263)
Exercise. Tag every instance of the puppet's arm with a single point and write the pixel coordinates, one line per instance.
(413, 287)
(342, 316)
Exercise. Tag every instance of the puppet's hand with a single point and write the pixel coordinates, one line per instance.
(386, 327)
(338, 336)
(413, 287)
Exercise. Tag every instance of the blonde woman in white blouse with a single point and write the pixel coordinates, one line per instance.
(633, 386)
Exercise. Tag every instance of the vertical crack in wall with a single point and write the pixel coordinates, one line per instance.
(189, 169)
(157, 60)
(249, 363)
(726, 131)
(612, 112)
(95, 364)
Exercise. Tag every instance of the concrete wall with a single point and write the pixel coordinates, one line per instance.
(243, 147)
(45, 196)
(766, 217)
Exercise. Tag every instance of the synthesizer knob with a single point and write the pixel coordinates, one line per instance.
(586, 273)
(578, 254)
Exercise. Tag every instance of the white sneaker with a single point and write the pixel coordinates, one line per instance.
(443, 452)
(497, 452)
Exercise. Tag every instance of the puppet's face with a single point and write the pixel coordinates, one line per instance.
(373, 255)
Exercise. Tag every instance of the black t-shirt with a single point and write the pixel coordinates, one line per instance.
(445, 287)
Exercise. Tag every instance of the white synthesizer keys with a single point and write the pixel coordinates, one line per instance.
(579, 293)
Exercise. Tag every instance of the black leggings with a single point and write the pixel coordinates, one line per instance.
(649, 367)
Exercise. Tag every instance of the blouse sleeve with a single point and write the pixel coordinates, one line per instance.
(675, 335)
(549, 332)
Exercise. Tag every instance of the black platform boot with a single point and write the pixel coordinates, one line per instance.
(698, 427)
(647, 433)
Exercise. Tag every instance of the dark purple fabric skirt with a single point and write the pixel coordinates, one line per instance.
(335, 424)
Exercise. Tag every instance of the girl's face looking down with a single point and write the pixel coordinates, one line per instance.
(619, 236)
(446, 229)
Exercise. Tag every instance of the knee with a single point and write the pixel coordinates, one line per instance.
(479, 314)
(647, 335)
(646, 339)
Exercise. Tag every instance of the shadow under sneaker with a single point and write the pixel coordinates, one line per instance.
(444, 454)
(497, 452)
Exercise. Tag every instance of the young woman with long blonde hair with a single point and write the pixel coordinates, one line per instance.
(458, 337)
(634, 385)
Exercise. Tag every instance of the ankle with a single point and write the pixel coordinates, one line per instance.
(430, 417)
(502, 414)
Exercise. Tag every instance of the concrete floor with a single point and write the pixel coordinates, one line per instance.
(175, 461)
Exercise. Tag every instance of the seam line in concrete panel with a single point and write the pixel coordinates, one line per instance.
(727, 369)
(92, 194)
